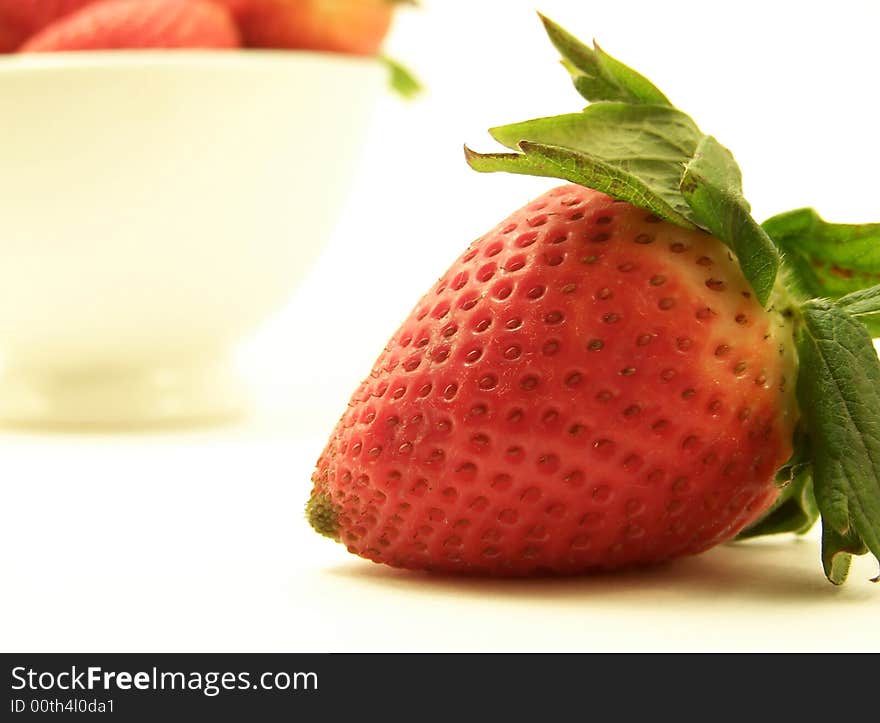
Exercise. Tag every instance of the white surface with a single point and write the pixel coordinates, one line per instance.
(155, 207)
(195, 540)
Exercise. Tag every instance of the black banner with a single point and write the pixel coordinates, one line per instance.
(411, 687)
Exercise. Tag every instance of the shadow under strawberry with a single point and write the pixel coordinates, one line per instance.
(756, 571)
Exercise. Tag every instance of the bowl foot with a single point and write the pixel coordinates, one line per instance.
(172, 393)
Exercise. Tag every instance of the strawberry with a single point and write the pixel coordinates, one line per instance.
(19, 19)
(10, 38)
(122, 24)
(616, 374)
(584, 387)
(345, 26)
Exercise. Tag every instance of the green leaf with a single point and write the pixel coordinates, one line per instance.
(538, 159)
(839, 394)
(837, 554)
(862, 302)
(401, 79)
(639, 88)
(654, 152)
(716, 163)
(864, 305)
(711, 185)
(596, 75)
(650, 142)
(795, 510)
(827, 259)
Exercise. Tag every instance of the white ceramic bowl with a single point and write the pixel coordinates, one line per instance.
(155, 207)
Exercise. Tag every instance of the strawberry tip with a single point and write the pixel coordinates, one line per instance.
(323, 515)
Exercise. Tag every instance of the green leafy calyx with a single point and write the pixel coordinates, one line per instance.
(632, 144)
(839, 394)
(598, 76)
(827, 260)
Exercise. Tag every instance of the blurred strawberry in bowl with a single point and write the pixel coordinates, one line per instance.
(354, 27)
(133, 24)
(156, 207)
(20, 19)
(143, 238)
(345, 26)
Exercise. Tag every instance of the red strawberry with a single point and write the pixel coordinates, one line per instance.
(10, 37)
(119, 24)
(590, 387)
(345, 26)
(19, 19)
(586, 387)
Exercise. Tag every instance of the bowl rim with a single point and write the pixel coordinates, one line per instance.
(179, 57)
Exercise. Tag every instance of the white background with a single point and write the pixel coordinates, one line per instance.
(195, 540)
